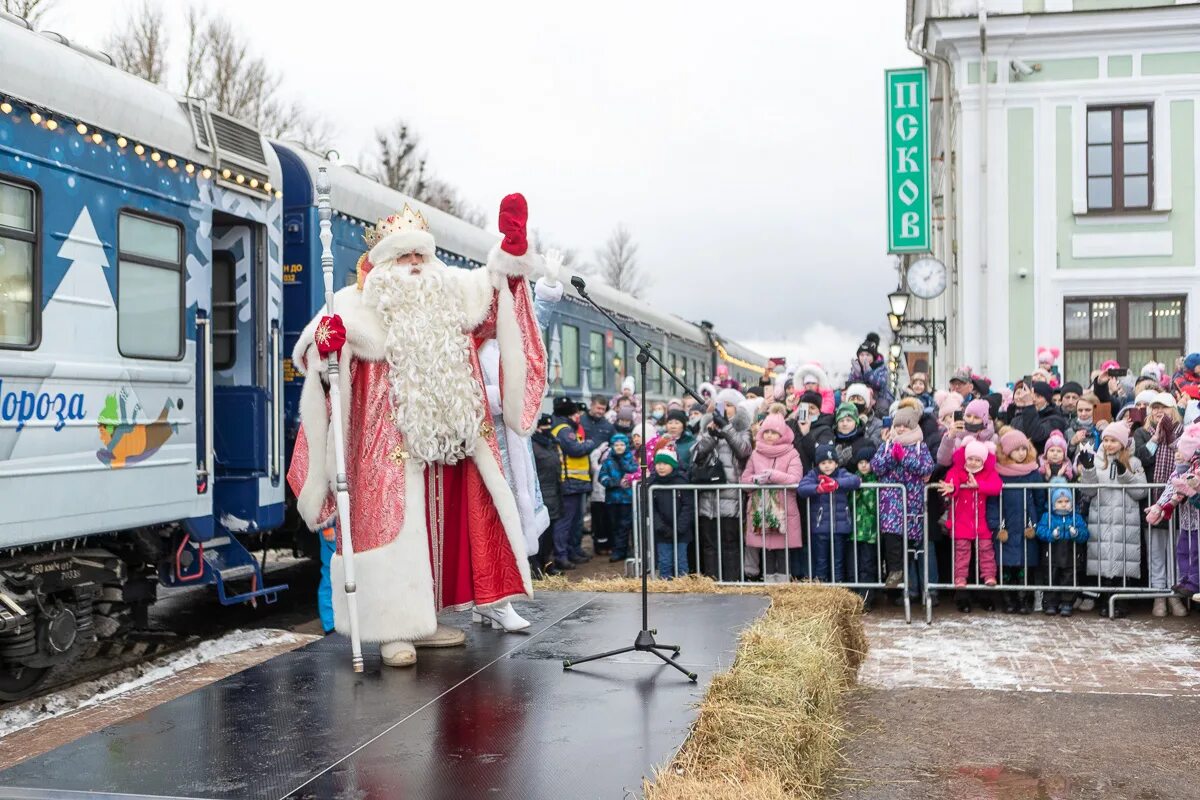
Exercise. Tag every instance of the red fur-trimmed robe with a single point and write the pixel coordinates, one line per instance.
(426, 537)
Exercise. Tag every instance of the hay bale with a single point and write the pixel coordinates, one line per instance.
(768, 728)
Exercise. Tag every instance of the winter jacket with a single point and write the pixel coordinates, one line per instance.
(1022, 508)
(785, 469)
(877, 377)
(597, 458)
(1037, 425)
(732, 446)
(575, 451)
(1115, 521)
(673, 510)
(903, 511)
(829, 512)
(956, 440)
(548, 460)
(1056, 527)
(1187, 516)
(968, 507)
(821, 431)
(865, 503)
(612, 471)
(683, 448)
(598, 429)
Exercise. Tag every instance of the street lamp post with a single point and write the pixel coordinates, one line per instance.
(930, 331)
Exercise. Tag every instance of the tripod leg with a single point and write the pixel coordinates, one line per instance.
(690, 675)
(567, 664)
(673, 647)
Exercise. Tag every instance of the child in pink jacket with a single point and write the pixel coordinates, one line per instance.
(774, 461)
(972, 479)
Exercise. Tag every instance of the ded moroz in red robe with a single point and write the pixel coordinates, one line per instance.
(426, 537)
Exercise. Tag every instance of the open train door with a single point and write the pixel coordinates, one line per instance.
(245, 363)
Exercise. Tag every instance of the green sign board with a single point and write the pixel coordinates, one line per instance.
(908, 160)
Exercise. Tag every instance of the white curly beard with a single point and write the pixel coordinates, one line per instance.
(436, 399)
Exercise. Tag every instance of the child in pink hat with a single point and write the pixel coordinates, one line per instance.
(972, 479)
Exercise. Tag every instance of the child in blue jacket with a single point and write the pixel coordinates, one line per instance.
(1061, 529)
(617, 472)
(827, 490)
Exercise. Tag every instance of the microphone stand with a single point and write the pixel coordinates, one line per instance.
(644, 642)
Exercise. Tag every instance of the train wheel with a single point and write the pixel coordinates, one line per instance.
(18, 682)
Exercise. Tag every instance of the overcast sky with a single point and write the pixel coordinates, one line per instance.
(741, 143)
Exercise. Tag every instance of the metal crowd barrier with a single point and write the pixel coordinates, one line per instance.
(1098, 567)
(863, 565)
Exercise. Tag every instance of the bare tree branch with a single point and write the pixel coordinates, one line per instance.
(31, 11)
(141, 46)
(398, 164)
(617, 263)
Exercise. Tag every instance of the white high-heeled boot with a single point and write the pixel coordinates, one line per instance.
(501, 617)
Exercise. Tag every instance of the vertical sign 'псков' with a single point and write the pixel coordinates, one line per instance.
(908, 160)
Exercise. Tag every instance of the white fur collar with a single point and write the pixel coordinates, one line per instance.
(363, 333)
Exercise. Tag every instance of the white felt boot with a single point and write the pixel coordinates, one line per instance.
(398, 654)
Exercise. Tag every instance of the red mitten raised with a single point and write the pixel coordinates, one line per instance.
(330, 335)
(897, 451)
(514, 213)
(826, 485)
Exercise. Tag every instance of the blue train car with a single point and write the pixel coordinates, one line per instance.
(140, 348)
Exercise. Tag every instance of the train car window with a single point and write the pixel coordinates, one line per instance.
(596, 360)
(655, 381)
(620, 365)
(570, 356)
(18, 255)
(149, 287)
(224, 311)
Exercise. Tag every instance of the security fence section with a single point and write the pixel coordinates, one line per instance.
(1037, 547)
(743, 533)
(1050, 542)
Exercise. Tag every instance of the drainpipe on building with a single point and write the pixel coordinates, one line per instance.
(949, 211)
(983, 190)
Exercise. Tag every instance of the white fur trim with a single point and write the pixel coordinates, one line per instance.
(394, 245)
(364, 336)
(512, 356)
(548, 292)
(813, 369)
(507, 264)
(395, 585)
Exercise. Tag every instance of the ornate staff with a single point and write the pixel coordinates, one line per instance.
(324, 212)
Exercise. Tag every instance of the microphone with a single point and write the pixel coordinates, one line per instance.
(578, 283)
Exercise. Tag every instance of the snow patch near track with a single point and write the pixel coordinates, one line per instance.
(1034, 654)
(98, 690)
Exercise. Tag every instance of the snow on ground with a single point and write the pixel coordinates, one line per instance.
(89, 693)
(1033, 654)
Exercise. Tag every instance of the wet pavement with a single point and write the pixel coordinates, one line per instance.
(995, 707)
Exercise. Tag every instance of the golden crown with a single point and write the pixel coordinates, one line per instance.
(409, 219)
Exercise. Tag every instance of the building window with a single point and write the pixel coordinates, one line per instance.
(1133, 331)
(655, 373)
(18, 253)
(596, 361)
(1119, 158)
(620, 367)
(149, 288)
(570, 356)
(224, 311)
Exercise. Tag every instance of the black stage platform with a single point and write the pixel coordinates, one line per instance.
(495, 719)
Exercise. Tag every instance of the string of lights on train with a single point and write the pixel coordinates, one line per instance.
(47, 119)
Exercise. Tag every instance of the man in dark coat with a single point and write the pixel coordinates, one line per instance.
(576, 484)
(547, 457)
(1034, 414)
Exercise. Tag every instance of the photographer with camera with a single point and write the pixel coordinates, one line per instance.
(718, 457)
